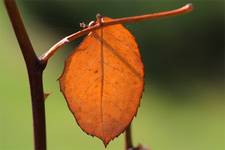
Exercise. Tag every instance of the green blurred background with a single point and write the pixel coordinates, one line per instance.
(183, 103)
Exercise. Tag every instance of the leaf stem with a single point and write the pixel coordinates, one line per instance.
(45, 57)
(35, 70)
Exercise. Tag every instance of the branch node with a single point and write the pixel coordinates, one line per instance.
(99, 18)
(83, 25)
(91, 23)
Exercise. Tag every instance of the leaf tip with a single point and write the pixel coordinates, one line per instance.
(105, 142)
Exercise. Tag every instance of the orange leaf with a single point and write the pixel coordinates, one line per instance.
(103, 81)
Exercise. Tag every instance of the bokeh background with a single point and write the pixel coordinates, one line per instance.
(183, 103)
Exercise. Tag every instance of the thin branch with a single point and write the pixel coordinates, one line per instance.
(35, 69)
(129, 143)
(44, 58)
(20, 31)
(128, 138)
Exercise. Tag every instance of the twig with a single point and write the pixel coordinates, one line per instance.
(128, 138)
(44, 58)
(35, 69)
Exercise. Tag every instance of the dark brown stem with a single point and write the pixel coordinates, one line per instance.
(35, 70)
(128, 138)
(129, 142)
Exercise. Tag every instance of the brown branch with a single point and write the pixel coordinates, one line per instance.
(128, 138)
(129, 142)
(44, 58)
(35, 69)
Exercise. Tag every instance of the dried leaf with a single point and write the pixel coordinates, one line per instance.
(103, 81)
